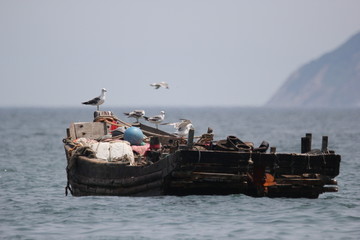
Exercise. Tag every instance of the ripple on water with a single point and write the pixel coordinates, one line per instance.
(33, 177)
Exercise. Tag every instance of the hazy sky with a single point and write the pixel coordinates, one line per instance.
(60, 53)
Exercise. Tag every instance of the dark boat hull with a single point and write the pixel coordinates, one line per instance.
(187, 172)
(90, 176)
(224, 167)
(220, 172)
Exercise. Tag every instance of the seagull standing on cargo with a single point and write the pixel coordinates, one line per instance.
(136, 114)
(160, 84)
(156, 119)
(182, 128)
(98, 100)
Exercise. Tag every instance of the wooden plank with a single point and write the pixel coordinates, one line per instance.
(189, 174)
(300, 181)
(119, 182)
(91, 130)
(72, 133)
(148, 189)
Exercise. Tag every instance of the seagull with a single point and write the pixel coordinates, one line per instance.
(136, 114)
(182, 128)
(98, 100)
(156, 119)
(161, 84)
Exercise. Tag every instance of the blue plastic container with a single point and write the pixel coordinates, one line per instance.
(134, 135)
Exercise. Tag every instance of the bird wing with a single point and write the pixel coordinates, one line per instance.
(183, 123)
(155, 118)
(164, 85)
(167, 123)
(155, 85)
(179, 125)
(139, 112)
(92, 101)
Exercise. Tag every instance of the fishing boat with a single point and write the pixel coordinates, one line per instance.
(100, 163)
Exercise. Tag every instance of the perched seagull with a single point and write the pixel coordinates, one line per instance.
(182, 128)
(161, 84)
(136, 114)
(156, 119)
(98, 100)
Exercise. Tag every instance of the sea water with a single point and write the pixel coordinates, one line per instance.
(33, 204)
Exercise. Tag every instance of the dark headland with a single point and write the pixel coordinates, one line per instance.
(332, 80)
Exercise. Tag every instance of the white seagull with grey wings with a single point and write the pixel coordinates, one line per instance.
(160, 84)
(182, 128)
(156, 119)
(136, 114)
(98, 100)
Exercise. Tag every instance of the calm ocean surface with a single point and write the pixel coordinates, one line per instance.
(32, 180)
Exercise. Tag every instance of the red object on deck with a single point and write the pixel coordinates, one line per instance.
(113, 126)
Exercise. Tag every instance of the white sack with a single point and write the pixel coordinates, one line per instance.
(114, 151)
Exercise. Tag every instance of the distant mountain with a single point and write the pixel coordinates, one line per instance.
(332, 80)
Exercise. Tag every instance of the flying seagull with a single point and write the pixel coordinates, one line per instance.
(182, 127)
(98, 100)
(160, 84)
(136, 114)
(156, 119)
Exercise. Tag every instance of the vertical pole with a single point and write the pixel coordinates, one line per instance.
(324, 144)
(303, 144)
(272, 149)
(190, 138)
(309, 138)
(96, 114)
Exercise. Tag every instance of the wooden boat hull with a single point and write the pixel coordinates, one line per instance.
(223, 167)
(221, 172)
(90, 176)
(187, 172)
